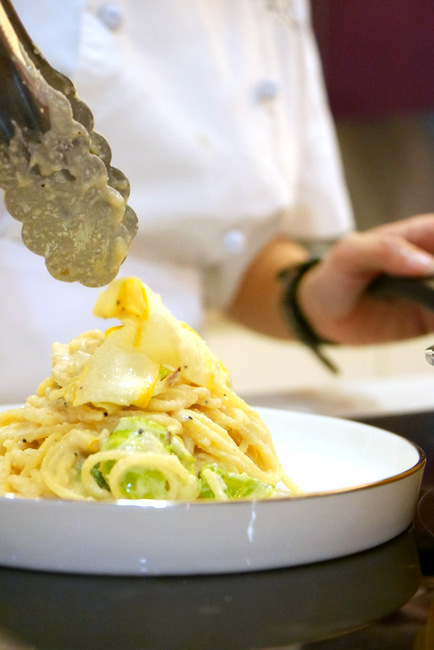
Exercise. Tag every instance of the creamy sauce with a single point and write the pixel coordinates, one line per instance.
(72, 204)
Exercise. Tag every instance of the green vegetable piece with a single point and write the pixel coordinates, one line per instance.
(141, 483)
(141, 434)
(99, 478)
(177, 447)
(165, 371)
(238, 486)
(129, 431)
(205, 490)
(135, 434)
(132, 433)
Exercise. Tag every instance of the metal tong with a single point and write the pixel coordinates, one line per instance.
(20, 105)
(81, 241)
(17, 102)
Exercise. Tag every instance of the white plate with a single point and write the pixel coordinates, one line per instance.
(362, 486)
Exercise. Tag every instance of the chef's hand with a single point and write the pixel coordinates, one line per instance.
(333, 294)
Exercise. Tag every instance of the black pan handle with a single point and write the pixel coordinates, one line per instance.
(420, 290)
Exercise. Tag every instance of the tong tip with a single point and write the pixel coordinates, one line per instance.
(429, 355)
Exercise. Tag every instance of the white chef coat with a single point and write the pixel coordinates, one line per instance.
(216, 112)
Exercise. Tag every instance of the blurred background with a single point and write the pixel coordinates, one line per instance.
(378, 63)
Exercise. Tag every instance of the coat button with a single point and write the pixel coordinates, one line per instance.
(234, 241)
(266, 90)
(111, 15)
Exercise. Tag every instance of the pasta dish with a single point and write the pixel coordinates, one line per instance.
(142, 411)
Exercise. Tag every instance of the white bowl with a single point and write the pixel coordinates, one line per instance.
(361, 484)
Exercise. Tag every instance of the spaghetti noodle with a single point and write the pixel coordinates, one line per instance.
(142, 411)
